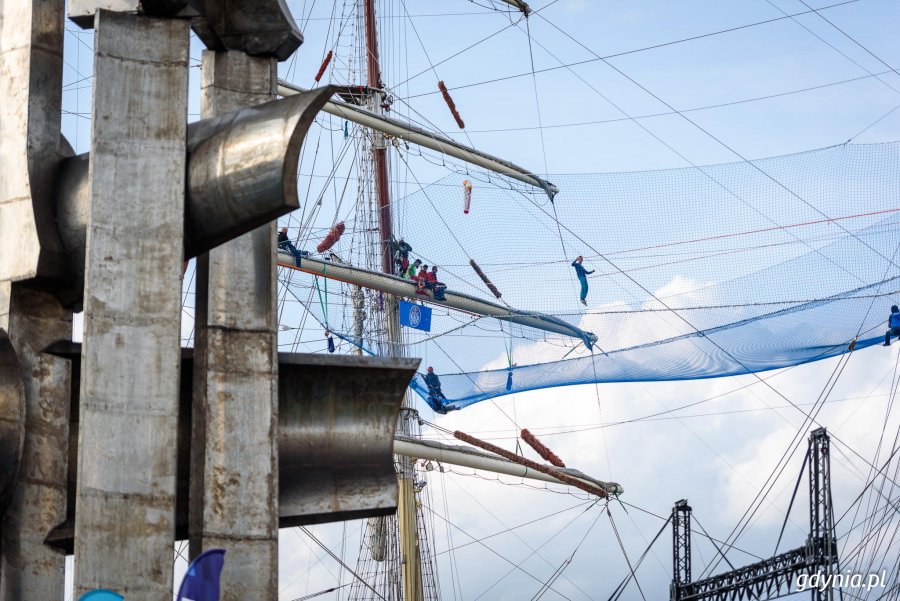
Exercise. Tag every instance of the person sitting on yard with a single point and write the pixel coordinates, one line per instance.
(420, 287)
(413, 269)
(285, 244)
(893, 325)
(431, 282)
(422, 274)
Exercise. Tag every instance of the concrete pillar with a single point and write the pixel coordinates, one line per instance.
(31, 42)
(125, 512)
(234, 468)
(29, 568)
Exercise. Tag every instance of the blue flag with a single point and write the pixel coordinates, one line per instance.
(101, 595)
(201, 583)
(415, 316)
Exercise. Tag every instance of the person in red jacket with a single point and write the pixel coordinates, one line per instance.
(432, 283)
(422, 273)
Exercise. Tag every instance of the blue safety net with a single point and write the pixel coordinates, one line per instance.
(698, 272)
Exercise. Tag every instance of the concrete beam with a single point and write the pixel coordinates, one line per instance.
(234, 465)
(125, 524)
(336, 418)
(83, 12)
(263, 28)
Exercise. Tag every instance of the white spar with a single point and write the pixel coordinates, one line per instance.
(425, 138)
(397, 286)
(474, 459)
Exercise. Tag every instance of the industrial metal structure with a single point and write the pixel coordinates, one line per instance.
(776, 576)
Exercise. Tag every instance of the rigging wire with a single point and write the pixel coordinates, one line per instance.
(718, 140)
(338, 559)
(562, 567)
(624, 53)
(509, 561)
(617, 592)
(633, 574)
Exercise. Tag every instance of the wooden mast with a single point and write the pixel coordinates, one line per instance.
(406, 507)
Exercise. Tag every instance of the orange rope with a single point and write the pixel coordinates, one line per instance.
(542, 450)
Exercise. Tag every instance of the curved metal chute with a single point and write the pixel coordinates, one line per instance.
(336, 420)
(242, 173)
(397, 286)
(242, 168)
(12, 419)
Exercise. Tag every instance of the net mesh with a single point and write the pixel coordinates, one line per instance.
(698, 273)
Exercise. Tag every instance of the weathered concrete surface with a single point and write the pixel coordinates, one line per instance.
(31, 41)
(12, 406)
(125, 523)
(262, 28)
(29, 569)
(83, 12)
(234, 464)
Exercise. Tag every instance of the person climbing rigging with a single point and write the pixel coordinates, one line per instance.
(582, 274)
(400, 252)
(435, 395)
(893, 325)
(404, 266)
(285, 244)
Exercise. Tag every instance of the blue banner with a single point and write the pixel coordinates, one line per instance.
(201, 583)
(415, 316)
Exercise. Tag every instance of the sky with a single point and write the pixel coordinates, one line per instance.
(718, 453)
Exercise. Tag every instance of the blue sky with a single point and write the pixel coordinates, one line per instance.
(718, 460)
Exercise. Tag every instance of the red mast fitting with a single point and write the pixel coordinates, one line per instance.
(451, 104)
(324, 66)
(542, 450)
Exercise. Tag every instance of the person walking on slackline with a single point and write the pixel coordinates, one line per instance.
(582, 277)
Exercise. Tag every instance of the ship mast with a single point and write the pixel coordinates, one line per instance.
(413, 589)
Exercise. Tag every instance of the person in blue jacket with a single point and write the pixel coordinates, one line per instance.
(893, 325)
(582, 277)
(284, 243)
(435, 395)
